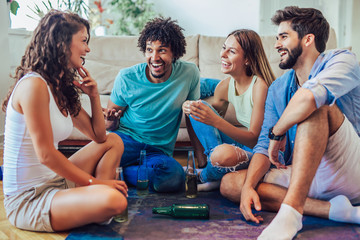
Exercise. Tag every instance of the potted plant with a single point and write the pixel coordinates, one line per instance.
(129, 16)
(77, 6)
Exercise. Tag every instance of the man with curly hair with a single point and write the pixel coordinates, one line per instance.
(145, 104)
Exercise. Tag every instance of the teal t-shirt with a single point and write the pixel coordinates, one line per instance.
(153, 110)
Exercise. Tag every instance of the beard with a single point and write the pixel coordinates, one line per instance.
(157, 76)
(293, 55)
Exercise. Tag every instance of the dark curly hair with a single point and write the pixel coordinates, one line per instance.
(305, 21)
(48, 54)
(168, 32)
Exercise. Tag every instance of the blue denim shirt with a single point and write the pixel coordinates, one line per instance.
(335, 77)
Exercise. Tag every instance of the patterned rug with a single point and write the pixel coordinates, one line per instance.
(226, 222)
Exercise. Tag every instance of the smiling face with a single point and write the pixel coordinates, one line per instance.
(79, 48)
(232, 57)
(288, 45)
(159, 60)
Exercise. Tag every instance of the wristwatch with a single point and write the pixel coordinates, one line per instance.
(272, 136)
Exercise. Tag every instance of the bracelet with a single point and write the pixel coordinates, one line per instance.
(90, 181)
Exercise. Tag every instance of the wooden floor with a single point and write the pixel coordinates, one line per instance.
(9, 232)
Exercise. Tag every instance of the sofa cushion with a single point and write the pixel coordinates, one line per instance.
(115, 50)
(192, 50)
(105, 62)
(209, 57)
(104, 74)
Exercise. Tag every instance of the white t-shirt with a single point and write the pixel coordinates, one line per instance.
(22, 168)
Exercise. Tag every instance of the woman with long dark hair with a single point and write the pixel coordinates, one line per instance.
(45, 191)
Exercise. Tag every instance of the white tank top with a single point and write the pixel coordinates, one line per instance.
(243, 103)
(22, 168)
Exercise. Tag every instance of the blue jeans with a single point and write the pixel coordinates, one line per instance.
(165, 173)
(210, 137)
(207, 87)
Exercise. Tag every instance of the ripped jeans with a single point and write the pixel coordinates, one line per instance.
(210, 137)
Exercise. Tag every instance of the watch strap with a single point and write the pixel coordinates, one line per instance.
(272, 136)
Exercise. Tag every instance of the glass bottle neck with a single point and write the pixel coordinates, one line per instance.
(143, 157)
(162, 210)
(191, 164)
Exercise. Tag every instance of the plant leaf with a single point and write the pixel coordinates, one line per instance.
(14, 6)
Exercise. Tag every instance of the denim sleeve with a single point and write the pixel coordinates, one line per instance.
(270, 119)
(116, 92)
(339, 75)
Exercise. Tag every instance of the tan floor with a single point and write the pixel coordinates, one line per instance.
(9, 232)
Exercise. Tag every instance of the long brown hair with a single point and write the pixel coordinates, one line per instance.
(251, 43)
(48, 54)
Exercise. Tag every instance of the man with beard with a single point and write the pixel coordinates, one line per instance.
(144, 108)
(315, 172)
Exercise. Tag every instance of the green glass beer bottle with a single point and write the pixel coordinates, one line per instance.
(199, 211)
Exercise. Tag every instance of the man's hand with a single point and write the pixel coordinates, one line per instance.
(112, 117)
(274, 148)
(250, 197)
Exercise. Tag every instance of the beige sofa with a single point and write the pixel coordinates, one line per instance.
(109, 54)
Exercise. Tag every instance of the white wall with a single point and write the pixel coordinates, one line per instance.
(211, 17)
(355, 37)
(218, 18)
(4, 63)
(335, 12)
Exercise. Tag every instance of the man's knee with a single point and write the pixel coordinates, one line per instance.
(231, 185)
(173, 181)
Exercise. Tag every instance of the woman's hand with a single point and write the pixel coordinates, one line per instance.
(88, 85)
(186, 107)
(203, 113)
(117, 184)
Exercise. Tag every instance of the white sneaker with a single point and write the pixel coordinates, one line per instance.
(208, 186)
